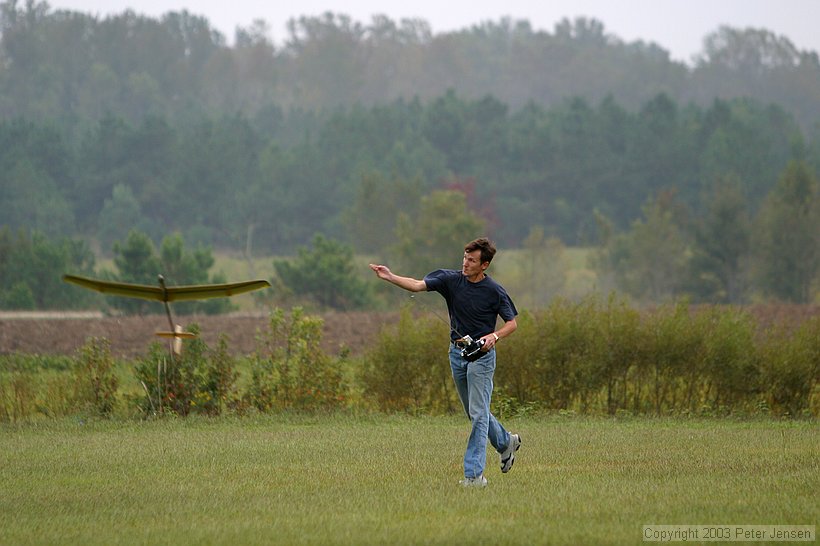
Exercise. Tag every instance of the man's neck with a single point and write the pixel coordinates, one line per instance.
(478, 277)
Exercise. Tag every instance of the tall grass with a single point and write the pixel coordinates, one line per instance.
(597, 356)
(602, 356)
(394, 480)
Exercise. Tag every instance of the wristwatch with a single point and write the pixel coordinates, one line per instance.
(495, 336)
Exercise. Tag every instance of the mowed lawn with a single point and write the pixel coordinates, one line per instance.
(394, 480)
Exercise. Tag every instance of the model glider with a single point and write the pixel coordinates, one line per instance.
(167, 294)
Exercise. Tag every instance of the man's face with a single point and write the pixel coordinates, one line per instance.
(471, 265)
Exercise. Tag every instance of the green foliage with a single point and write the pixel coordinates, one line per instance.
(182, 267)
(371, 219)
(200, 380)
(443, 225)
(32, 385)
(291, 371)
(96, 384)
(649, 261)
(19, 296)
(673, 360)
(325, 274)
(597, 356)
(120, 214)
(732, 372)
(35, 176)
(559, 364)
(31, 270)
(273, 180)
(585, 352)
(219, 169)
(221, 376)
(620, 341)
(724, 257)
(136, 261)
(120, 64)
(605, 357)
(722, 246)
(539, 272)
(17, 392)
(249, 144)
(790, 368)
(788, 244)
(115, 155)
(407, 370)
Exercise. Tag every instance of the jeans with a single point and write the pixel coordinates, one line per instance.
(474, 383)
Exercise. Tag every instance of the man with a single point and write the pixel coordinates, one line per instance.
(474, 301)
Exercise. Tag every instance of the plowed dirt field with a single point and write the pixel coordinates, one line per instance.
(64, 333)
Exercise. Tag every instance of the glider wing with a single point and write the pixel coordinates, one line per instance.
(142, 291)
(167, 294)
(206, 291)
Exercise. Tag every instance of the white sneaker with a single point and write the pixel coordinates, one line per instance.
(479, 481)
(508, 457)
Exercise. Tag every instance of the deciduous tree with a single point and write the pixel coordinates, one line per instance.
(435, 237)
(722, 246)
(788, 238)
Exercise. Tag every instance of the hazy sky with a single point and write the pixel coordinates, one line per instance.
(678, 26)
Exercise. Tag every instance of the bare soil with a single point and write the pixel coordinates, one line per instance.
(130, 336)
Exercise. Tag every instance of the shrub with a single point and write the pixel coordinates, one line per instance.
(290, 370)
(555, 356)
(516, 363)
(408, 369)
(673, 361)
(730, 359)
(199, 380)
(33, 384)
(621, 348)
(220, 381)
(790, 367)
(16, 396)
(95, 385)
(596, 356)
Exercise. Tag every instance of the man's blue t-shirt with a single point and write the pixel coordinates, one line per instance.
(473, 307)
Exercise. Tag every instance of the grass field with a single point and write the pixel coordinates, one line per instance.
(394, 480)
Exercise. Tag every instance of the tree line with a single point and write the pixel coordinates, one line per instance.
(726, 255)
(409, 180)
(75, 67)
(157, 127)
(237, 181)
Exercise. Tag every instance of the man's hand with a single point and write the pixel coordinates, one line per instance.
(382, 271)
(408, 283)
(489, 343)
(491, 339)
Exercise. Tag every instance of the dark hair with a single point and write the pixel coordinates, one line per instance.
(486, 247)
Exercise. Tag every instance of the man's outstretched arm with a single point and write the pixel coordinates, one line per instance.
(408, 283)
